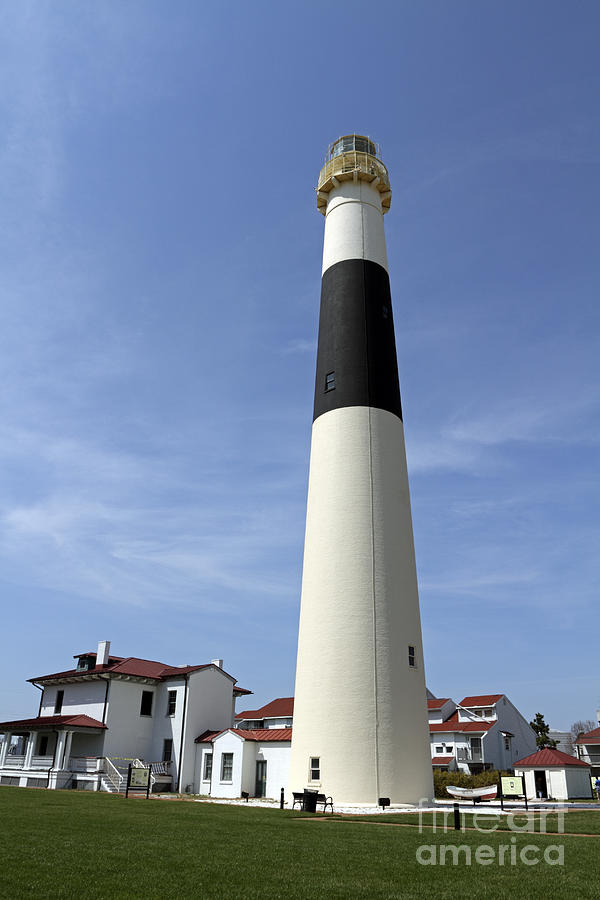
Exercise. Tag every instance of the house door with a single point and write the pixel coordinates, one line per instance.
(261, 778)
(541, 789)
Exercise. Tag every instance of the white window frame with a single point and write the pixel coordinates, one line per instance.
(207, 765)
(312, 769)
(223, 766)
(171, 696)
(147, 715)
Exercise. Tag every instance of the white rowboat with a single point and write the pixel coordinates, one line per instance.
(482, 793)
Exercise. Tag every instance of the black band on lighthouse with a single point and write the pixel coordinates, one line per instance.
(356, 357)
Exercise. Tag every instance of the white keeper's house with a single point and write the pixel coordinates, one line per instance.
(108, 711)
(484, 731)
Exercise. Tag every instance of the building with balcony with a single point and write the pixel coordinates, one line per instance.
(587, 746)
(109, 711)
(278, 713)
(483, 731)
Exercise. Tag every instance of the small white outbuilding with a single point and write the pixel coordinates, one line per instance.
(554, 775)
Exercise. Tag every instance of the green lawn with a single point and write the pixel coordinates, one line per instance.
(66, 844)
(576, 822)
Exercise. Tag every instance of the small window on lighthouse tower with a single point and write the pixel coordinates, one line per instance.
(411, 657)
(330, 382)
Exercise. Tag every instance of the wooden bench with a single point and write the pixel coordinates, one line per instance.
(321, 799)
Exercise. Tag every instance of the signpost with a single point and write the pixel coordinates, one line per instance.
(138, 780)
(512, 786)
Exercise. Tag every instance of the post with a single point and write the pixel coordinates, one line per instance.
(60, 749)
(31, 738)
(128, 781)
(5, 746)
(68, 743)
(456, 817)
(281, 800)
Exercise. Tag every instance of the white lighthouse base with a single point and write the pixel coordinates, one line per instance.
(360, 705)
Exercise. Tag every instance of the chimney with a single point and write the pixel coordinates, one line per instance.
(103, 653)
(598, 715)
(217, 662)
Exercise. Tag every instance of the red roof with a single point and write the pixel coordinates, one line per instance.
(241, 690)
(480, 700)
(590, 737)
(264, 734)
(93, 653)
(280, 708)
(79, 721)
(452, 724)
(206, 737)
(437, 703)
(254, 734)
(131, 665)
(441, 760)
(548, 758)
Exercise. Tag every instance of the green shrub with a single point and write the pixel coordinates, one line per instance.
(459, 779)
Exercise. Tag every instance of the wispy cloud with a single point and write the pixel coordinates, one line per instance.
(300, 345)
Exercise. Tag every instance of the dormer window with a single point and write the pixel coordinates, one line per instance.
(85, 663)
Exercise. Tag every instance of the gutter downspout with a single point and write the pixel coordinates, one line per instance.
(180, 761)
(53, 757)
(105, 701)
(40, 688)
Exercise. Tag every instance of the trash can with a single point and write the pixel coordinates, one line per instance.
(310, 801)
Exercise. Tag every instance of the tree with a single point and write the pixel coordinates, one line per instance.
(582, 727)
(542, 732)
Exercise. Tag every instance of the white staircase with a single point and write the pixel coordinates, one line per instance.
(112, 779)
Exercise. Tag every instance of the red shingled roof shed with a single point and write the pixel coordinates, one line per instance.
(548, 759)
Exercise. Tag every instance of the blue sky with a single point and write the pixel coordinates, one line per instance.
(161, 273)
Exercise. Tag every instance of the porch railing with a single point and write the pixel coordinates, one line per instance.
(42, 762)
(13, 761)
(464, 755)
(83, 763)
(161, 768)
(112, 773)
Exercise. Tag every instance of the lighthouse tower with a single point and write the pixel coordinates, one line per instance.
(360, 713)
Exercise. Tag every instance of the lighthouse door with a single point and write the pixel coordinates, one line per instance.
(261, 778)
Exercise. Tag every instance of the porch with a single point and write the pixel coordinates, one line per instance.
(51, 751)
(91, 773)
